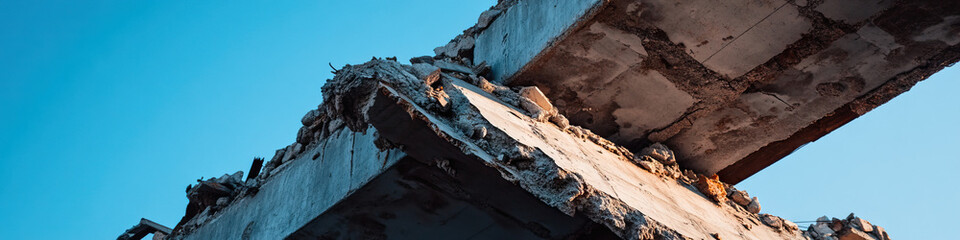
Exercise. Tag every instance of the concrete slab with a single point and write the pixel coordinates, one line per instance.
(761, 42)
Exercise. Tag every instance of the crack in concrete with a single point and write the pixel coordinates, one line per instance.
(745, 32)
(777, 97)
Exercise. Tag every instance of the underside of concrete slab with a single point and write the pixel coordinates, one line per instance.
(732, 86)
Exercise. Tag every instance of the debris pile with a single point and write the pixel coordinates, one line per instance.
(851, 228)
(209, 196)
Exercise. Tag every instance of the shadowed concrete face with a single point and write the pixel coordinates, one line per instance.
(731, 86)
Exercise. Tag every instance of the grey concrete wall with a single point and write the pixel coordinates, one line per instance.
(525, 30)
(303, 188)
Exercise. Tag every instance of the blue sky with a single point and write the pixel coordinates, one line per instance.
(109, 109)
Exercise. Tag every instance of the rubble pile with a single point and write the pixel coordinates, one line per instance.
(210, 196)
(851, 228)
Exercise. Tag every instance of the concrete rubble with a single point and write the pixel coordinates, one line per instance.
(850, 228)
(604, 124)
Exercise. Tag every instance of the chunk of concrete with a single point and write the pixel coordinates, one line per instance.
(452, 67)
(534, 94)
(712, 188)
(486, 18)
(661, 153)
(311, 116)
(754, 206)
(861, 224)
(740, 197)
(854, 234)
(772, 221)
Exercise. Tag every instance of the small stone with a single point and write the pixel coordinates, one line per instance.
(690, 174)
(222, 201)
(649, 165)
(311, 116)
(660, 152)
(531, 107)
(790, 225)
(560, 121)
(771, 220)
(740, 197)
(292, 151)
(479, 132)
(486, 18)
(754, 206)
(575, 131)
(861, 224)
(880, 233)
(278, 155)
(304, 136)
(535, 95)
(422, 59)
(822, 228)
(452, 67)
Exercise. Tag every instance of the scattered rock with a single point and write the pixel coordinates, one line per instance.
(880, 233)
(650, 165)
(422, 59)
(537, 113)
(690, 175)
(790, 226)
(560, 121)
(660, 152)
(452, 67)
(310, 117)
(740, 197)
(479, 132)
(772, 221)
(535, 95)
(861, 224)
(456, 47)
(222, 201)
(712, 188)
(754, 206)
(486, 18)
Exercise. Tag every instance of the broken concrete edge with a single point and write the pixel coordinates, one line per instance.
(344, 106)
(772, 152)
(535, 172)
(144, 227)
(350, 93)
(550, 181)
(825, 27)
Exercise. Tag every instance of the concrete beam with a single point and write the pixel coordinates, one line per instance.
(732, 86)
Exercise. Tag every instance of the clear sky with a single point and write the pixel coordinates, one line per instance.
(109, 109)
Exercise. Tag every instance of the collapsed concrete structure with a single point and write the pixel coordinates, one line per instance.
(584, 119)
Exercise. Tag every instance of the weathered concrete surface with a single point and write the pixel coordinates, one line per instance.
(732, 86)
(303, 189)
(383, 157)
(574, 175)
